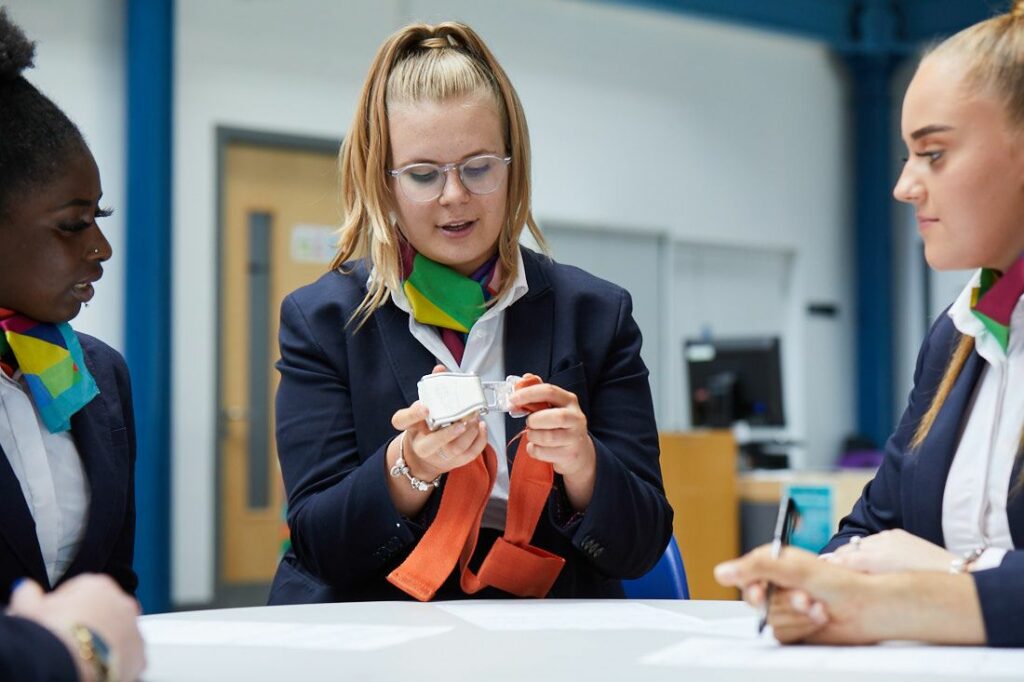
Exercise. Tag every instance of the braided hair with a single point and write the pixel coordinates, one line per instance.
(36, 137)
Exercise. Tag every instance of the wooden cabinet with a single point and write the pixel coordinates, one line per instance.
(699, 470)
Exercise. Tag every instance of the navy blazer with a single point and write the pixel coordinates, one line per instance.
(908, 489)
(31, 653)
(104, 433)
(340, 386)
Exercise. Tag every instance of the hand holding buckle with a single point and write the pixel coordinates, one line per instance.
(452, 396)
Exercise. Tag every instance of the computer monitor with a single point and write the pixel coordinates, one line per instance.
(732, 380)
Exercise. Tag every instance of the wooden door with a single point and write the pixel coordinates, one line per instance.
(280, 215)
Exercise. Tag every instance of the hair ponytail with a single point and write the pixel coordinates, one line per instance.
(16, 51)
(956, 364)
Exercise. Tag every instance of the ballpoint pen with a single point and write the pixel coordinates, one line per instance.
(784, 524)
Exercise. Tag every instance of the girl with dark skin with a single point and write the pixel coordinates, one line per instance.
(67, 438)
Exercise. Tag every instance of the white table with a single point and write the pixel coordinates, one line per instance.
(457, 649)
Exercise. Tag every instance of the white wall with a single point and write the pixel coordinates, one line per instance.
(79, 66)
(263, 66)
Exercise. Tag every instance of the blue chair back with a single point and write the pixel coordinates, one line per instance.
(667, 580)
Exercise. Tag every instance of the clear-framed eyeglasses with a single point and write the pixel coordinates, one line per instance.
(423, 182)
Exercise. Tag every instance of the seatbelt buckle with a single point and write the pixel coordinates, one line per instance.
(453, 396)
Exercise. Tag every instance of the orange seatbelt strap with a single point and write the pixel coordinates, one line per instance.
(512, 564)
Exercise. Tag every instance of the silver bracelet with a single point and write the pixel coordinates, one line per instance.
(400, 468)
(963, 564)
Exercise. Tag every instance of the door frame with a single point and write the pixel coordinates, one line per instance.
(227, 596)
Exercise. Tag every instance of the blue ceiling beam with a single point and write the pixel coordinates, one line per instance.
(825, 20)
(928, 20)
(869, 27)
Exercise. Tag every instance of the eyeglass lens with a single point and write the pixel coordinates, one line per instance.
(425, 181)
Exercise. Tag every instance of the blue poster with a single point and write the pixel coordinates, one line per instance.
(814, 526)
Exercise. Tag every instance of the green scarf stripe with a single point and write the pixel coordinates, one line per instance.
(458, 296)
(1000, 331)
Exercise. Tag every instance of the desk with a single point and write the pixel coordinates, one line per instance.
(463, 651)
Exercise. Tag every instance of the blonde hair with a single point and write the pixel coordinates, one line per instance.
(419, 63)
(962, 351)
(994, 53)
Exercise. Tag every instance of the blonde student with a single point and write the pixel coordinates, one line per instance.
(949, 497)
(430, 276)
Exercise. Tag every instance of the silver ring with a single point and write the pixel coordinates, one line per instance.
(855, 542)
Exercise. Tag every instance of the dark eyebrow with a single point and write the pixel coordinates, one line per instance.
(80, 202)
(929, 130)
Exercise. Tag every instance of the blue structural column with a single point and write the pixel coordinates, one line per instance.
(871, 60)
(149, 58)
(870, 77)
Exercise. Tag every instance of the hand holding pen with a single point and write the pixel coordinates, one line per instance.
(784, 525)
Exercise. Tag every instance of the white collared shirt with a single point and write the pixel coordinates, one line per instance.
(485, 357)
(974, 502)
(50, 472)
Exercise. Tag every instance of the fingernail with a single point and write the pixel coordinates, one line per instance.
(460, 427)
(798, 602)
(817, 613)
(726, 571)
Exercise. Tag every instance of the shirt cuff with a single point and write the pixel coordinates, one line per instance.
(990, 558)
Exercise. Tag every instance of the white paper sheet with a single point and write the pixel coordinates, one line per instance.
(333, 637)
(890, 659)
(534, 615)
(729, 627)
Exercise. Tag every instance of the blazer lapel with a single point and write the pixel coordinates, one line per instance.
(17, 525)
(931, 463)
(529, 329)
(407, 356)
(91, 429)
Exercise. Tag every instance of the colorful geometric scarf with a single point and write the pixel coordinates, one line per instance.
(441, 297)
(51, 361)
(995, 297)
